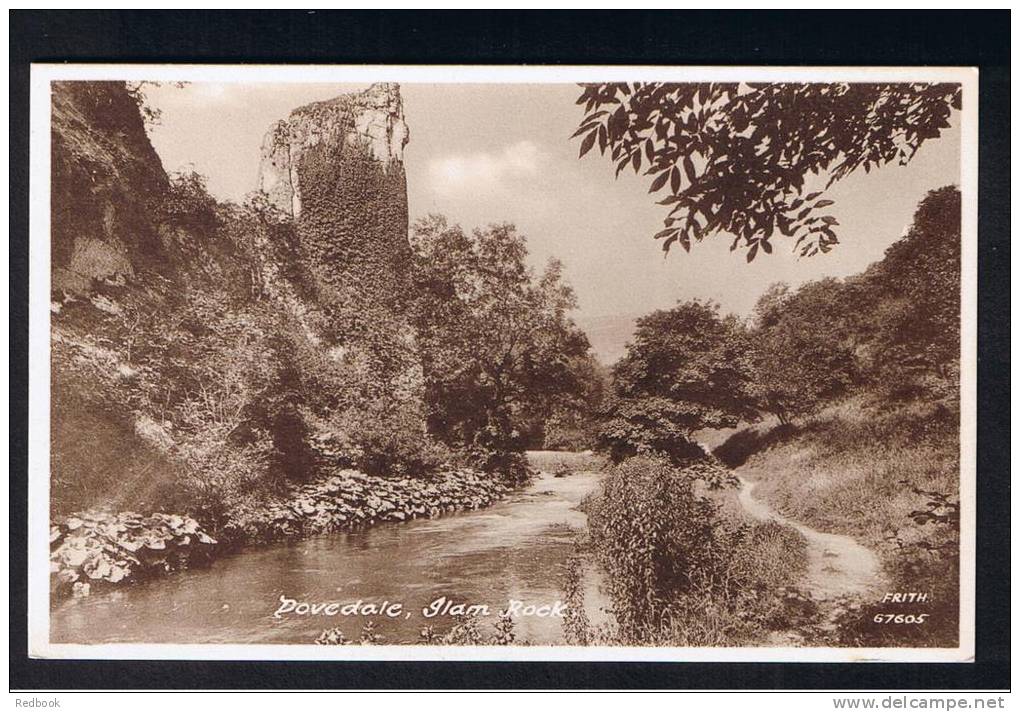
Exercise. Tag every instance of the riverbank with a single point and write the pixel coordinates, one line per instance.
(514, 550)
(98, 549)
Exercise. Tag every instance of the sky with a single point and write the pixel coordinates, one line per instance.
(482, 154)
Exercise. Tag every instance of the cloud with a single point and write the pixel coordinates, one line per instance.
(484, 171)
(172, 96)
(214, 92)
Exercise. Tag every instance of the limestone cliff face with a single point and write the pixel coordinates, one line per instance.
(295, 324)
(336, 168)
(373, 119)
(106, 180)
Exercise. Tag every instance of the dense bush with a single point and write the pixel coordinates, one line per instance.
(184, 380)
(678, 573)
(571, 422)
(381, 439)
(644, 426)
(498, 347)
(188, 205)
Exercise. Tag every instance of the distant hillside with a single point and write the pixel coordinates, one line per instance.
(609, 335)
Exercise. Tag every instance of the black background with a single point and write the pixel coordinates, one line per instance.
(487, 37)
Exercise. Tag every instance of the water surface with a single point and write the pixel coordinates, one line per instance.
(514, 550)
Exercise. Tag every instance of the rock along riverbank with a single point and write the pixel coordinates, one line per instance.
(98, 549)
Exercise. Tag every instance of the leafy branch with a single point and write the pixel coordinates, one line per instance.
(737, 158)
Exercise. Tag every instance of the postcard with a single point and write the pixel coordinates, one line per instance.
(503, 363)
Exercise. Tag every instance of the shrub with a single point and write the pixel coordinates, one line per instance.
(386, 440)
(677, 572)
(656, 539)
(335, 636)
(188, 205)
(511, 467)
(645, 426)
(469, 631)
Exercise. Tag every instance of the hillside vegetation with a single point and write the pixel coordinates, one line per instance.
(890, 480)
(842, 398)
(265, 373)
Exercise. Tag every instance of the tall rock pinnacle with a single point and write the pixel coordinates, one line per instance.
(373, 119)
(336, 169)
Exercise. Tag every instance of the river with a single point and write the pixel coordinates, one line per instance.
(514, 550)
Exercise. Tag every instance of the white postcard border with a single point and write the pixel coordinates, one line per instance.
(39, 354)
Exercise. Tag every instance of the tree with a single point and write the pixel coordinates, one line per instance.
(572, 420)
(496, 339)
(893, 330)
(915, 346)
(802, 347)
(188, 204)
(684, 370)
(737, 158)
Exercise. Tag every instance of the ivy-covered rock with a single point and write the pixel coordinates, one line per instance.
(96, 548)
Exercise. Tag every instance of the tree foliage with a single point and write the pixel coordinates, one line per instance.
(684, 370)
(891, 333)
(915, 348)
(188, 204)
(496, 339)
(571, 421)
(893, 330)
(744, 159)
(802, 347)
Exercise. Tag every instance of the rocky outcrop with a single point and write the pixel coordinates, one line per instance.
(373, 119)
(237, 369)
(335, 168)
(259, 346)
(106, 181)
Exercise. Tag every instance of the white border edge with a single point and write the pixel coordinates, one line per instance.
(39, 373)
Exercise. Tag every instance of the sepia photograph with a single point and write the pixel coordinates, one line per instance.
(479, 363)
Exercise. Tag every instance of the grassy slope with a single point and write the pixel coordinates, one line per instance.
(842, 471)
